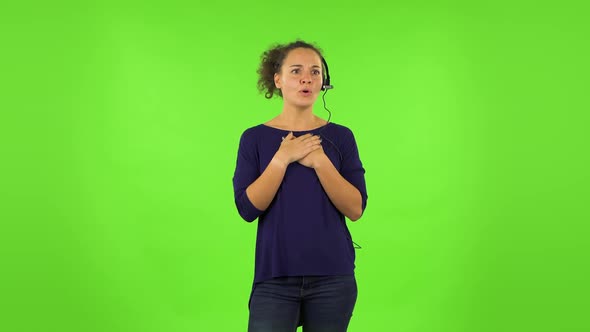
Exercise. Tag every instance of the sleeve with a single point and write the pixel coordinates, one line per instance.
(352, 167)
(246, 172)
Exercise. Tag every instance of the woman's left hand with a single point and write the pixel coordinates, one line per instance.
(314, 158)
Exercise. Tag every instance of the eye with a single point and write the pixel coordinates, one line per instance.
(295, 71)
(316, 72)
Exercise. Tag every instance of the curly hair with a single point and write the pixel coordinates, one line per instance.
(271, 63)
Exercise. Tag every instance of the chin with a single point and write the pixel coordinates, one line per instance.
(304, 105)
(301, 104)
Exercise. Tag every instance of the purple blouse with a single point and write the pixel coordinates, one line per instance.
(301, 233)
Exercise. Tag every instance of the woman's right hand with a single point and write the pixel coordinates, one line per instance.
(294, 148)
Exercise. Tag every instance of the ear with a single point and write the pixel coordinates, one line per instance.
(277, 78)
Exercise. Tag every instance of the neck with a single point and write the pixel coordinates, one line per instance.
(298, 118)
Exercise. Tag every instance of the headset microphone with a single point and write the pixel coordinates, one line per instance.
(326, 80)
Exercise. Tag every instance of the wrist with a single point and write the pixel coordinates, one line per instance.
(277, 160)
(321, 162)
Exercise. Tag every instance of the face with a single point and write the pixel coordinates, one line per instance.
(300, 78)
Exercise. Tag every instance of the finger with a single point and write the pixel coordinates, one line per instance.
(317, 139)
(314, 138)
(311, 149)
(313, 143)
(288, 137)
(305, 137)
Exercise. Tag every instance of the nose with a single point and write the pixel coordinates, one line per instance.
(306, 78)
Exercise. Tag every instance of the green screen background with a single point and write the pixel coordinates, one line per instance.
(120, 124)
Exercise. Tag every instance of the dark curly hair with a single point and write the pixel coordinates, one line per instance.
(271, 63)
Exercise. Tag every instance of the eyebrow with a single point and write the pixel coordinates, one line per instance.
(314, 66)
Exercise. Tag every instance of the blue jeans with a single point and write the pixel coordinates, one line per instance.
(318, 303)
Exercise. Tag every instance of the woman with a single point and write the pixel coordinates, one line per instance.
(300, 176)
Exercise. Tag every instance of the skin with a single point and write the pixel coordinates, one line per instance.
(302, 69)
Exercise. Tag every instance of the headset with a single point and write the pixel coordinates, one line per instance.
(325, 87)
(326, 78)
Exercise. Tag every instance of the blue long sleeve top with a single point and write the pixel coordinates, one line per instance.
(301, 232)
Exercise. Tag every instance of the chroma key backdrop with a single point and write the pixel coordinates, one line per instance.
(119, 132)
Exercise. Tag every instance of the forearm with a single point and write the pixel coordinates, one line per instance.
(342, 193)
(262, 191)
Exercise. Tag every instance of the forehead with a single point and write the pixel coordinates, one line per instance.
(303, 56)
